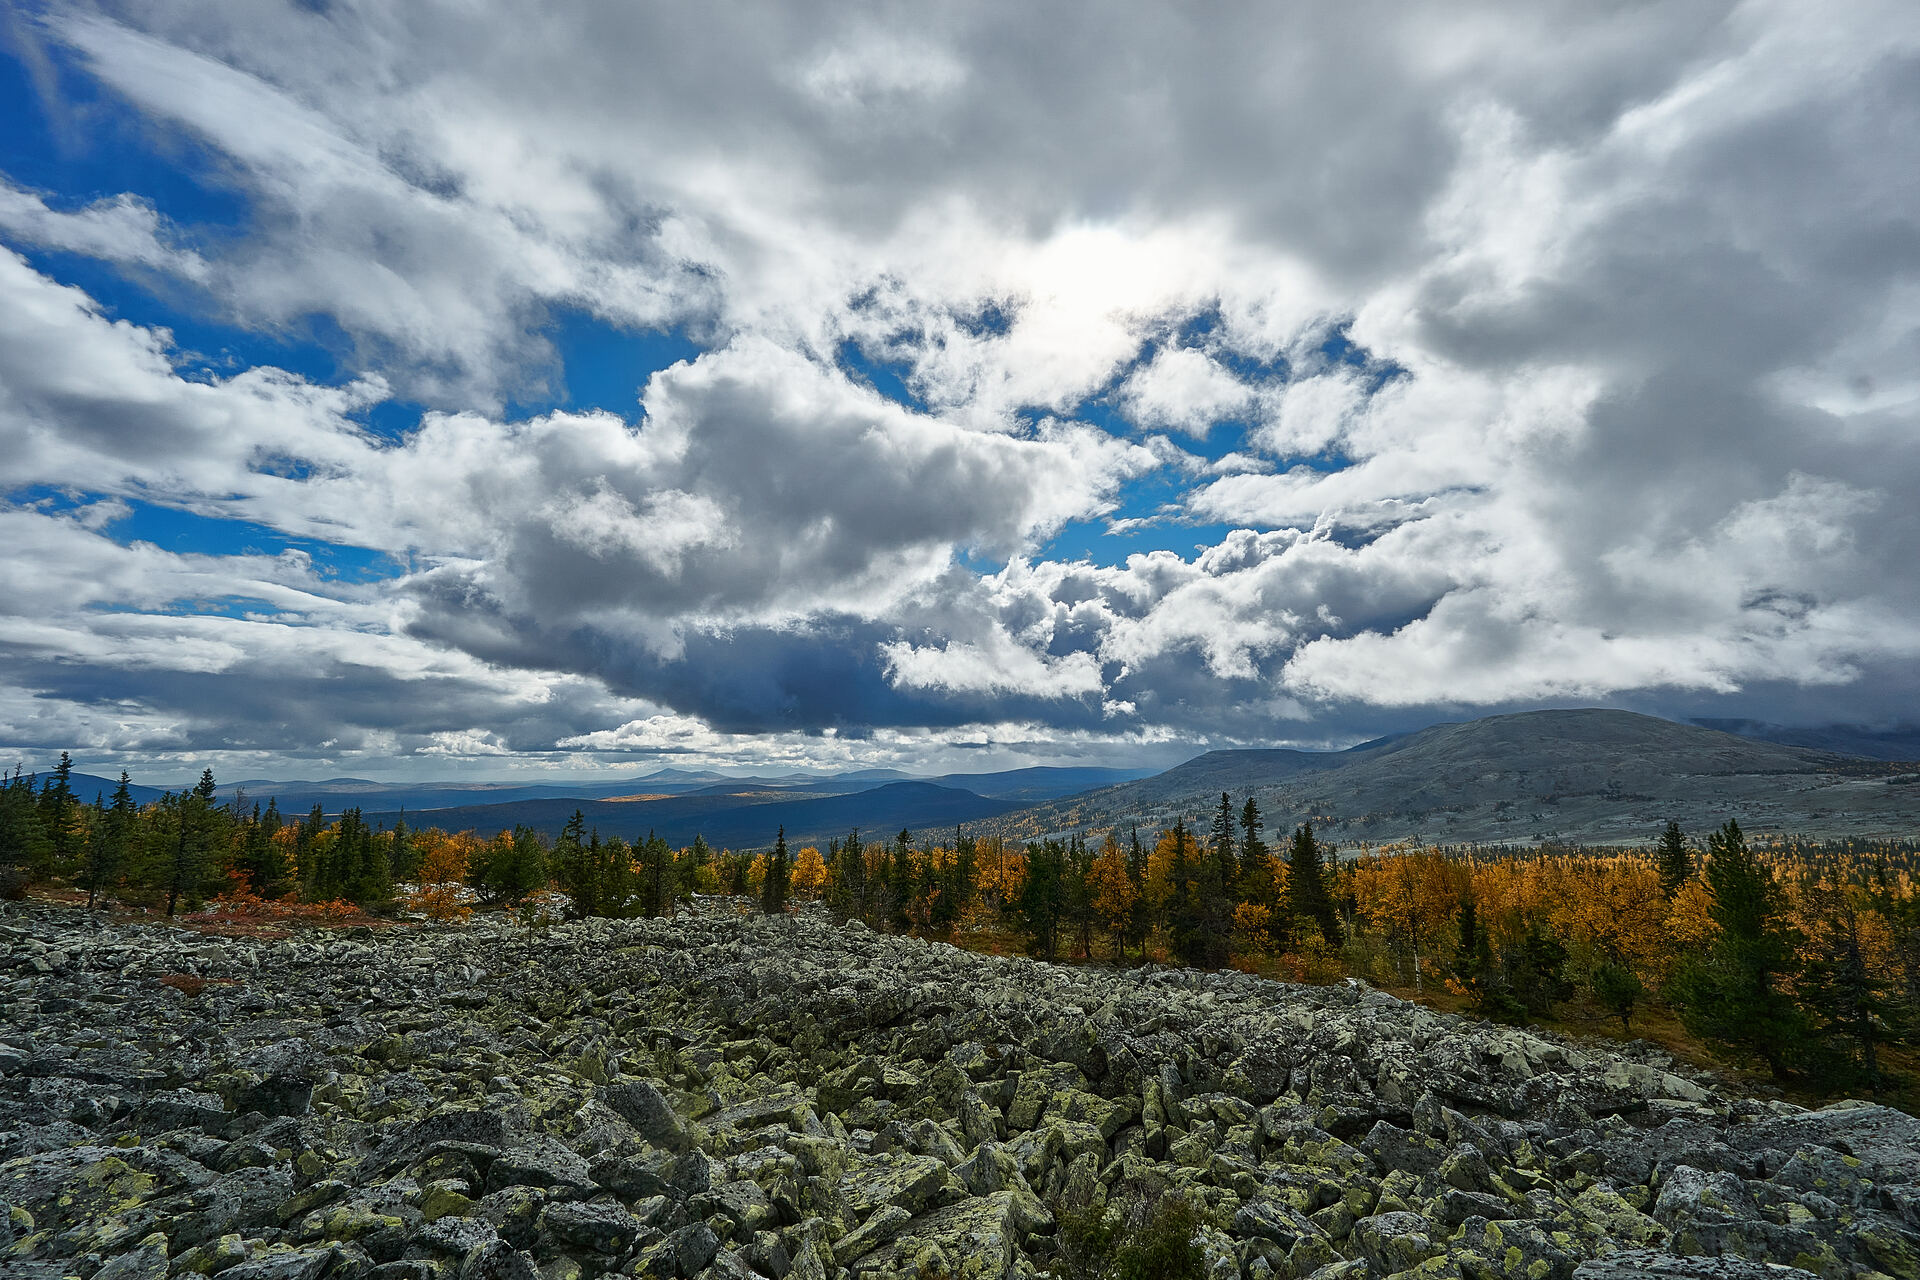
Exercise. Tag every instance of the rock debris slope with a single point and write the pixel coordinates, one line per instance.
(725, 1098)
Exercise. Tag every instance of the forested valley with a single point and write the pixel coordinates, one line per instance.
(1797, 959)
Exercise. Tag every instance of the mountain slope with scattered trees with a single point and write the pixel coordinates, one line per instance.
(1586, 776)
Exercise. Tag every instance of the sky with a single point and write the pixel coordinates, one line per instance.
(511, 389)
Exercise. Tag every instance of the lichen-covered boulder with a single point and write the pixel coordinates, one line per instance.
(717, 1097)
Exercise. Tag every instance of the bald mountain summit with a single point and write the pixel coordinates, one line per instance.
(1591, 776)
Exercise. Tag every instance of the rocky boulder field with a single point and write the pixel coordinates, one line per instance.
(727, 1097)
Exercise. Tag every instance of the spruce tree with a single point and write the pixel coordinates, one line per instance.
(1257, 884)
(880, 885)
(577, 874)
(1184, 920)
(1899, 912)
(110, 843)
(773, 889)
(688, 871)
(276, 876)
(1078, 895)
(1141, 922)
(1254, 866)
(1216, 883)
(1042, 897)
(186, 869)
(656, 877)
(306, 836)
(58, 811)
(1472, 950)
(1309, 897)
(1851, 997)
(403, 855)
(25, 851)
(736, 872)
(847, 878)
(1675, 860)
(956, 884)
(510, 866)
(1473, 969)
(902, 886)
(1735, 994)
(1252, 847)
(620, 880)
(253, 852)
(1537, 972)
(1220, 840)
(1618, 990)
(366, 875)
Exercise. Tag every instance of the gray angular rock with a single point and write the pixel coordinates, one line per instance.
(146, 1261)
(182, 1109)
(497, 1260)
(1652, 1264)
(1885, 1139)
(454, 1237)
(602, 1228)
(630, 1178)
(1394, 1242)
(549, 1166)
(1687, 1194)
(883, 1225)
(644, 1107)
(714, 1095)
(683, 1253)
(292, 1264)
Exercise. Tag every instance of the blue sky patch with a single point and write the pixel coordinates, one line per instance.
(81, 142)
(230, 606)
(204, 349)
(603, 366)
(888, 377)
(188, 533)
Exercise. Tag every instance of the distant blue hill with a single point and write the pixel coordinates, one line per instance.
(87, 785)
(1853, 740)
(335, 795)
(733, 822)
(1044, 782)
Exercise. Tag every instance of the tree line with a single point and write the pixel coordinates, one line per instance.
(1802, 958)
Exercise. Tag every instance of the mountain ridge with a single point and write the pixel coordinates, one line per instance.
(1590, 775)
(727, 822)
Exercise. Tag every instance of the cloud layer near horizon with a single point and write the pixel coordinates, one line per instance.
(1421, 364)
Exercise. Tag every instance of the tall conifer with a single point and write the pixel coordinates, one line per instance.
(1183, 907)
(1735, 994)
(779, 877)
(1042, 897)
(110, 842)
(1675, 859)
(1309, 897)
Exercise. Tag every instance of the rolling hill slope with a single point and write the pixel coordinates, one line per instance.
(335, 795)
(736, 822)
(1591, 775)
(85, 786)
